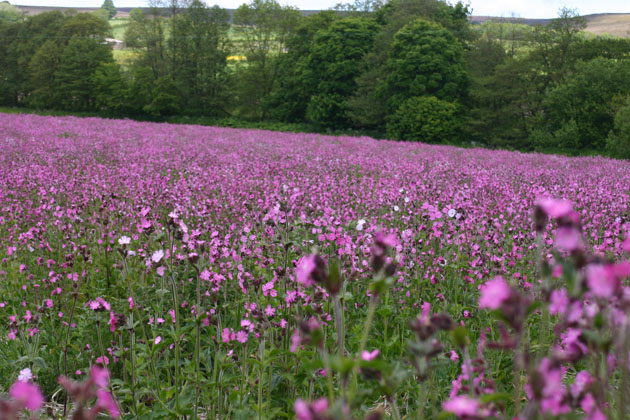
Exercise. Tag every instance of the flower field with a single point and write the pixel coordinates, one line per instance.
(169, 271)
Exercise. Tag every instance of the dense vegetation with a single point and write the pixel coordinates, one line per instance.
(403, 69)
(161, 271)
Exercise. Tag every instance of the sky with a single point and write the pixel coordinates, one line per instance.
(506, 8)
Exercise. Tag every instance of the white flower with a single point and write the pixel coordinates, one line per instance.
(131, 253)
(407, 199)
(25, 375)
(124, 240)
(396, 208)
(157, 256)
(452, 213)
(458, 216)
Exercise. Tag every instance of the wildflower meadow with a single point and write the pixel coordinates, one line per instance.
(168, 271)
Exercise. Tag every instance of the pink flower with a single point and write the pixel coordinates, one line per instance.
(225, 335)
(105, 401)
(385, 240)
(157, 256)
(241, 336)
(130, 300)
(302, 410)
(582, 380)
(494, 293)
(601, 281)
(462, 406)
(161, 270)
(296, 340)
(112, 322)
(555, 208)
(104, 360)
(27, 394)
(100, 376)
(369, 355)
(567, 239)
(157, 340)
(454, 356)
(320, 406)
(305, 267)
(559, 301)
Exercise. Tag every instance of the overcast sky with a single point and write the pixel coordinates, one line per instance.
(521, 8)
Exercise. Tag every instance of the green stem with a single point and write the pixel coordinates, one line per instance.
(339, 326)
(65, 351)
(328, 368)
(362, 344)
(260, 376)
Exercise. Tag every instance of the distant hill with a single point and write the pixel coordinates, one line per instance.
(617, 24)
(123, 12)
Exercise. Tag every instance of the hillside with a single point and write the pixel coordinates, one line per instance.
(617, 24)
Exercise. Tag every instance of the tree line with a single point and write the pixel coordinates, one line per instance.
(413, 70)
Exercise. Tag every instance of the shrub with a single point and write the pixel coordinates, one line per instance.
(423, 118)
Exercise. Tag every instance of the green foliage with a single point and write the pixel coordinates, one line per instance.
(580, 111)
(505, 94)
(146, 35)
(108, 5)
(24, 39)
(42, 69)
(334, 64)
(618, 141)
(79, 61)
(425, 59)
(198, 45)
(556, 45)
(84, 25)
(263, 27)
(140, 89)
(10, 13)
(110, 89)
(165, 98)
(424, 118)
(295, 79)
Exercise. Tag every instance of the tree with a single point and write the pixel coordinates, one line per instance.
(84, 25)
(264, 27)
(425, 59)
(334, 62)
(368, 105)
(146, 35)
(24, 38)
(618, 142)
(583, 105)
(10, 13)
(42, 68)
(295, 80)
(110, 89)
(556, 46)
(198, 44)
(109, 6)
(424, 118)
(79, 60)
